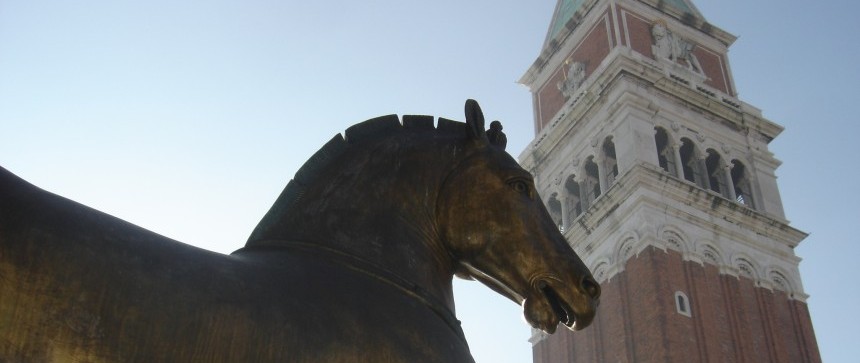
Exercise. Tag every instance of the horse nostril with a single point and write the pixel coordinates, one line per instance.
(591, 287)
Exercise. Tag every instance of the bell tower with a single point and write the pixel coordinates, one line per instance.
(662, 181)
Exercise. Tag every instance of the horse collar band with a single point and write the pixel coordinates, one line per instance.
(379, 273)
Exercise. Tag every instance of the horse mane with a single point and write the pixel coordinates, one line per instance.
(370, 130)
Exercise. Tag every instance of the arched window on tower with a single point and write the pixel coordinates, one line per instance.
(592, 180)
(682, 304)
(716, 173)
(610, 161)
(742, 184)
(665, 154)
(554, 207)
(574, 198)
(690, 164)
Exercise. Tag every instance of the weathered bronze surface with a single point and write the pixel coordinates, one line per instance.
(353, 263)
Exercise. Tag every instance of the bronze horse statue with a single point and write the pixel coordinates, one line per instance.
(353, 263)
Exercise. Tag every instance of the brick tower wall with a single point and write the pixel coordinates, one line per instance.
(732, 319)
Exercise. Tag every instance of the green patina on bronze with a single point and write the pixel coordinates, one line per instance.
(353, 263)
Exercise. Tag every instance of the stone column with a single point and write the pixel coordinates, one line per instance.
(601, 172)
(730, 186)
(565, 212)
(679, 167)
(703, 172)
(583, 192)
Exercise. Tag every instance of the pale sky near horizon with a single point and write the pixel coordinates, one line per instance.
(188, 117)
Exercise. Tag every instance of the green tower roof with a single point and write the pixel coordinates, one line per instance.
(566, 9)
(680, 5)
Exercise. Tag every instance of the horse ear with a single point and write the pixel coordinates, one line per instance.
(475, 121)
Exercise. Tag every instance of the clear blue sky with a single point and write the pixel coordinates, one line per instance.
(189, 117)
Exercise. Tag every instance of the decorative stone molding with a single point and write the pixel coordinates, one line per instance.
(711, 255)
(745, 267)
(601, 270)
(537, 336)
(779, 282)
(627, 246)
(673, 240)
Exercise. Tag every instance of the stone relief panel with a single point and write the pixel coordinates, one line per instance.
(708, 66)
(573, 78)
(669, 47)
(592, 49)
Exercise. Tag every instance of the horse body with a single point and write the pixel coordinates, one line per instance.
(353, 263)
(79, 285)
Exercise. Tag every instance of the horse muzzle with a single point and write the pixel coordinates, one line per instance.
(551, 303)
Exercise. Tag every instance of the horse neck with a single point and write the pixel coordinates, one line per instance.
(378, 205)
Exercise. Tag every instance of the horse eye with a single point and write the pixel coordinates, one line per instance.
(520, 186)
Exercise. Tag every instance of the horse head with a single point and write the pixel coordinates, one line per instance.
(499, 232)
(425, 202)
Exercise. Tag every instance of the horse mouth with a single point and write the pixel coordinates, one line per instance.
(561, 308)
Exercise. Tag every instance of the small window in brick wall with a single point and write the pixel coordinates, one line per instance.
(682, 304)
